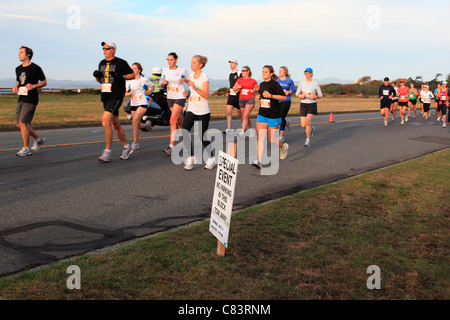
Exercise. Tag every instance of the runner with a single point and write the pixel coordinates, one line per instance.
(138, 89)
(308, 91)
(443, 102)
(426, 97)
(412, 99)
(421, 100)
(198, 109)
(112, 73)
(30, 78)
(246, 86)
(437, 106)
(403, 92)
(386, 92)
(174, 77)
(233, 96)
(288, 87)
(269, 115)
(394, 102)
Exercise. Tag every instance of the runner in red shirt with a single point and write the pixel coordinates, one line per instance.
(246, 86)
(403, 100)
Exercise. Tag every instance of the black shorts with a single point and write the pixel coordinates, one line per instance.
(308, 108)
(233, 101)
(413, 101)
(426, 107)
(134, 108)
(385, 103)
(443, 110)
(25, 112)
(403, 104)
(180, 102)
(112, 106)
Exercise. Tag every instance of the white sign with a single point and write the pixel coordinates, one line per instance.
(222, 204)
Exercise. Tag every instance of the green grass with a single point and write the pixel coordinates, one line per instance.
(316, 244)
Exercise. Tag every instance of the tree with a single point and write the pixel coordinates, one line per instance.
(363, 80)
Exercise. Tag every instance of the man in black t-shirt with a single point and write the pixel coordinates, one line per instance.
(30, 78)
(111, 74)
(233, 97)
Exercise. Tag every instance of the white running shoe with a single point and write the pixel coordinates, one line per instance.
(24, 152)
(307, 143)
(38, 143)
(284, 151)
(148, 123)
(438, 119)
(229, 131)
(403, 122)
(443, 125)
(210, 163)
(385, 124)
(106, 156)
(406, 118)
(257, 164)
(134, 147)
(189, 163)
(125, 152)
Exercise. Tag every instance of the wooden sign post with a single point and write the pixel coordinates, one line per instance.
(222, 205)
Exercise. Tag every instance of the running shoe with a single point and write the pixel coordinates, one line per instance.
(385, 124)
(443, 125)
(438, 119)
(134, 147)
(106, 156)
(288, 125)
(38, 143)
(125, 152)
(24, 152)
(402, 123)
(148, 123)
(284, 151)
(307, 143)
(210, 163)
(283, 139)
(406, 118)
(189, 163)
(312, 131)
(257, 164)
(168, 150)
(229, 131)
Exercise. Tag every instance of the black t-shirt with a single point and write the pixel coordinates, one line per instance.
(233, 78)
(31, 74)
(113, 73)
(272, 109)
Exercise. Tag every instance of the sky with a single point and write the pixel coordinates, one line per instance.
(344, 39)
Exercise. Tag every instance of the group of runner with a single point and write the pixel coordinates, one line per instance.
(405, 98)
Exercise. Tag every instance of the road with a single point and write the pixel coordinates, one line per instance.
(62, 201)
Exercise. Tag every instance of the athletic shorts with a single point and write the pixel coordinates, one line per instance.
(112, 106)
(385, 103)
(308, 108)
(273, 123)
(180, 102)
(243, 103)
(444, 110)
(25, 112)
(403, 104)
(134, 108)
(426, 107)
(413, 101)
(233, 101)
(394, 100)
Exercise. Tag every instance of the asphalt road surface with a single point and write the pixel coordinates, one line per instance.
(62, 201)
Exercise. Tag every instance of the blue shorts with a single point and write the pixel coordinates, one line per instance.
(273, 123)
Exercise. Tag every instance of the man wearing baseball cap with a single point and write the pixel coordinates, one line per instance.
(385, 93)
(233, 96)
(111, 74)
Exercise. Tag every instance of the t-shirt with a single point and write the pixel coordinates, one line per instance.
(31, 74)
(232, 77)
(403, 94)
(269, 107)
(309, 87)
(386, 91)
(248, 85)
(443, 96)
(288, 85)
(426, 96)
(112, 80)
(197, 104)
(138, 97)
(175, 88)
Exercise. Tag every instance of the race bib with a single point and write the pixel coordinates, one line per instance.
(402, 97)
(385, 92)
(136, 97)
(195, 99)
(411, 96)
(265, 103)
(106, 87)
(232, 92)
(23, 91)
(172, 88)
(244, 92)
(443, 98)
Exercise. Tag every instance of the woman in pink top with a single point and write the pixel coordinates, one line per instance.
(403, 100)
(246, 86)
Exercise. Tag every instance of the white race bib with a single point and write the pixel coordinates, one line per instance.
(106, 87)
(265, 103)
(172, 88)
(195, 99)
(443, 98)
(232, 92)
(136, 97)
(23, 91)
(385, 92)
(244, 92)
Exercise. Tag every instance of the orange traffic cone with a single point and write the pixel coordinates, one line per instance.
(331, 118)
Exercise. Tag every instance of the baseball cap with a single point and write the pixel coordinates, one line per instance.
(109, 44)
(445, 82)
(234, 60)
(386, 79)
(309, 70)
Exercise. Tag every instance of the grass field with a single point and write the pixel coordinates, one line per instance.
(316, 244)
(60, 110)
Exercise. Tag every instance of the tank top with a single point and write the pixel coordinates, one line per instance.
(412, 96)
(443, 96)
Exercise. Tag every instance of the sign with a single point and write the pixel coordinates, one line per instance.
(222, 204)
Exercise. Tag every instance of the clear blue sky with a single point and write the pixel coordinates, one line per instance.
(344, 39)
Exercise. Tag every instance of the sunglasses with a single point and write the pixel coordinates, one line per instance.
(107, 49)
(245, 70)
